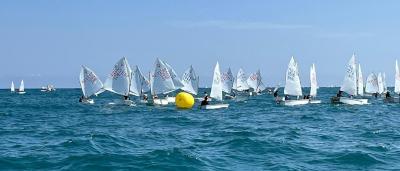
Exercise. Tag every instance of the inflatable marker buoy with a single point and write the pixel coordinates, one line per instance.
(184, 100)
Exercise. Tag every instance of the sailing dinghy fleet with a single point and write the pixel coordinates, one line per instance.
(163, 81)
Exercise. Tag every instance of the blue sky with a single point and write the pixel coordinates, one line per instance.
(47, 41)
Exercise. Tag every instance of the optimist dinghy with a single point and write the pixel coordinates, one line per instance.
(216, 90)
(90, 85)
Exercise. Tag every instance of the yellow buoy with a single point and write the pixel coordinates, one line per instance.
(184, 100)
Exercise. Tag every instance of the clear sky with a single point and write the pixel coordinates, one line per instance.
(46, 41)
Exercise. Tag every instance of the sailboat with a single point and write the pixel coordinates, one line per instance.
(372, 86)
(161, 82)
(139, 84)
(190, 81)
(119, 81)
(241, 86)
(216, 90)
(293, 86)
(349, 86)
(12, 87)
(255, 82)
(90, 84)
(314, 85)
(227, 83)
(21, 89)
(177, 82)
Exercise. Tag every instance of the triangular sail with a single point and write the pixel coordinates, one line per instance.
(293, 85)
(21, 86)
(397, 80)
(372, 86)
(139, 83)
(90, 83)
(255, 82)
(216, 89)
(384, 82)
(190, 81)
(350, 79)
(313, 81)
(241, 81)
(120, 78)
(177, 82)
(12, 86)
(227, 81)
(380, 83)
(360, 82)
(161, 81)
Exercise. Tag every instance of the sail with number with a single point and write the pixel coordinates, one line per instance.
(255, 82)
(227, 81)
(372, 86)
(350, 80)
(12, 86)
(190, 81)
(21, 86)
(120, 78)
(313, 81)
(241, 81)
(293, 85)
(161, 81)
(90, 83)
(360, 82)
(139, 83)
(397, 80)
(216, 89)
(177, 82)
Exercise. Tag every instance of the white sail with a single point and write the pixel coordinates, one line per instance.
(227, 81)
(397, 79)
(384, 82)
(139, 83)
(120, 78)
(241, 81)
(255, 82)
(350, 79)
(293, 85)
(177, 82)
(380, 83)
(313, 81)
(372, 86)
(234, 85)
(216, 89)
(360, 82)
(90, 83)
(12, 86)
(190, 81)
(161, 81)
(21, 86)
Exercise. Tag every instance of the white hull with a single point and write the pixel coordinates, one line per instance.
(21, 92)
(87, 101)
(295, 102)
(171, 99)
(215, 106)
(351, 101)
(129, 103)
(315, 101)
(162, 102)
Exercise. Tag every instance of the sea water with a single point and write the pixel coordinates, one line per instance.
(53, 131)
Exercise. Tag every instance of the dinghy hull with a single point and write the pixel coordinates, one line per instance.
(295, 102)
(215, 106)
(349, 101)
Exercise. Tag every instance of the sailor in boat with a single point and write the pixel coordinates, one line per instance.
(81, 99)
(276, 94)
(126, 98)
(145, 97)
(205, 101)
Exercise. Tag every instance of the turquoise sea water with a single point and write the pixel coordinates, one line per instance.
(52, 131)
